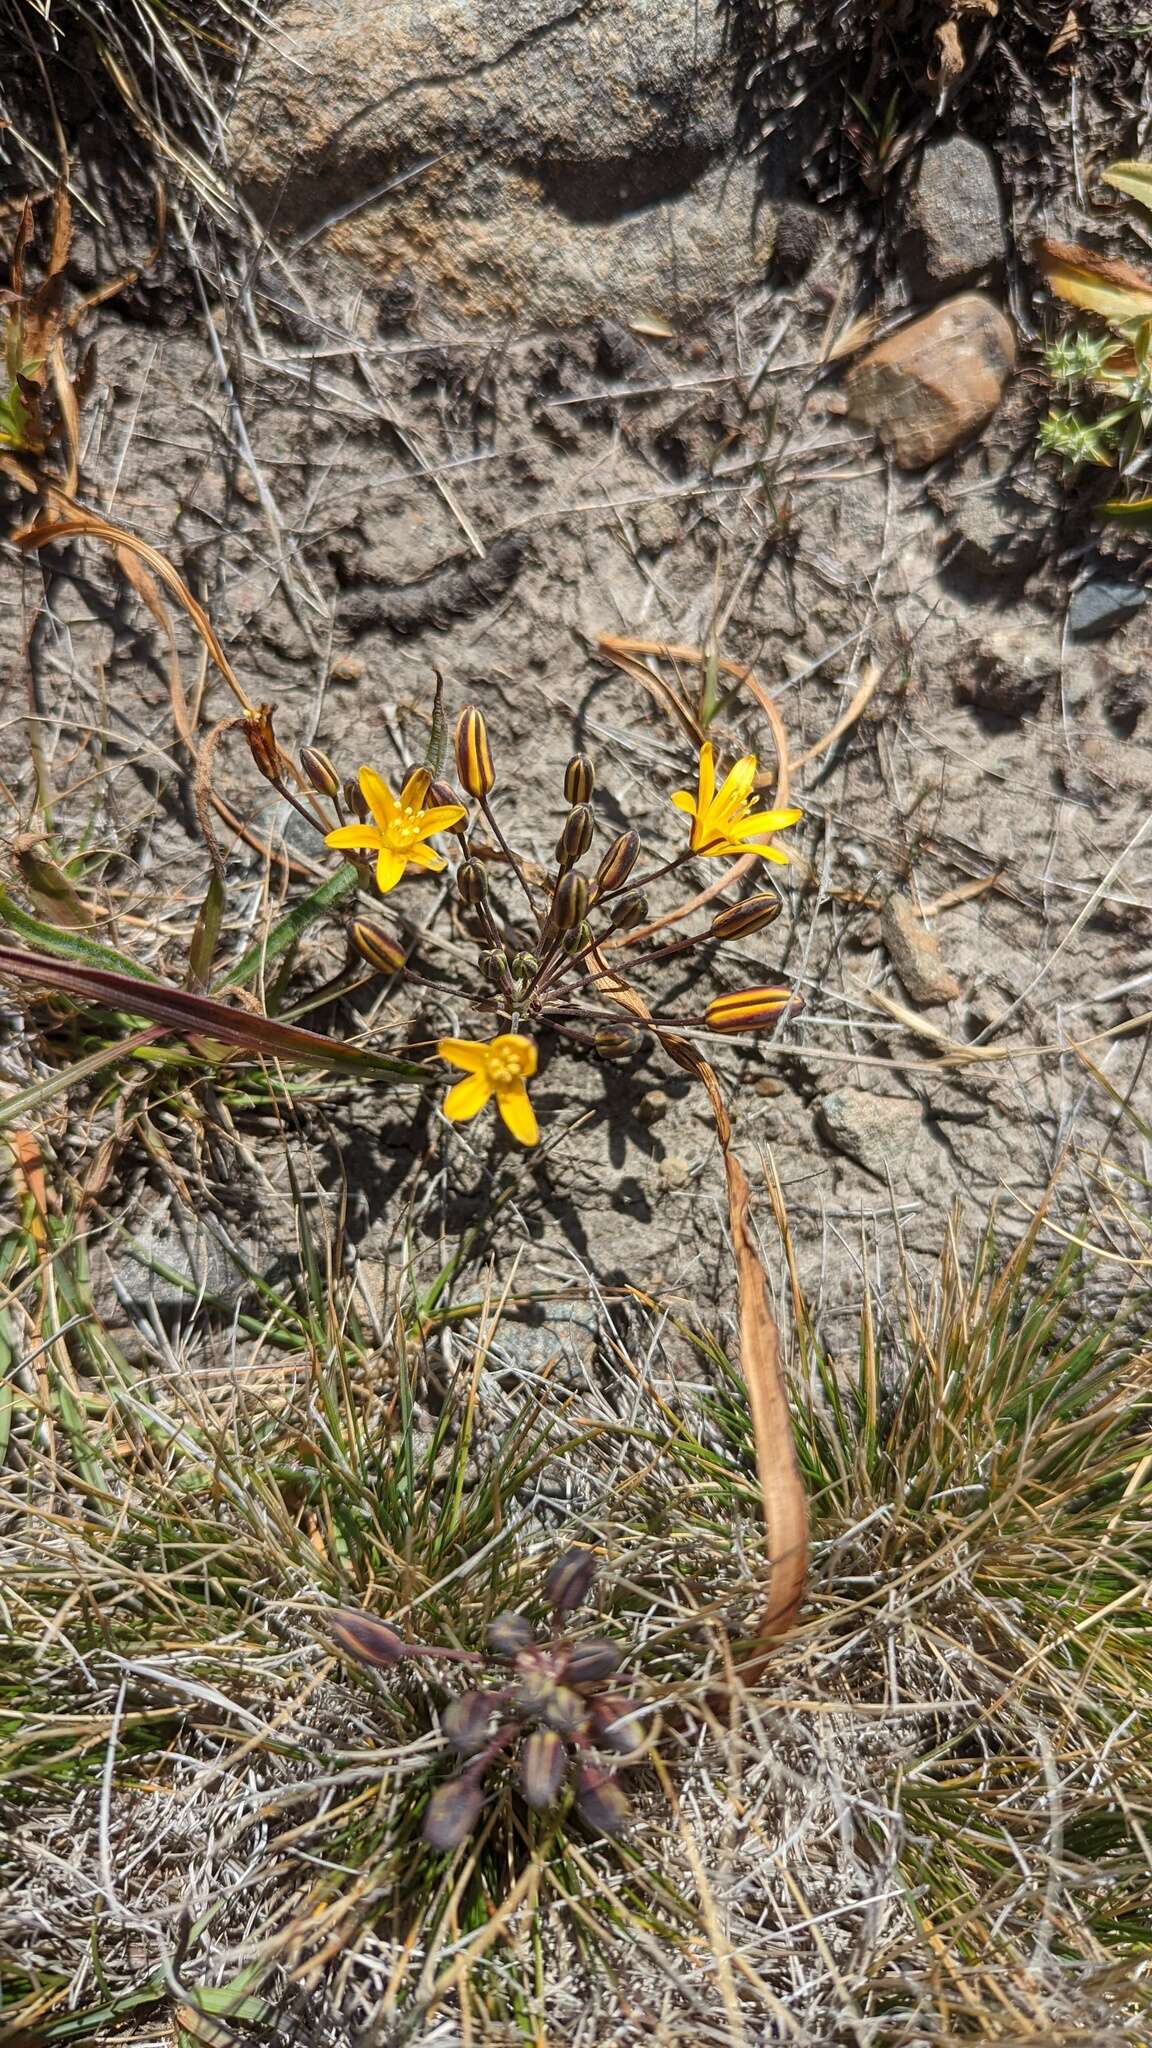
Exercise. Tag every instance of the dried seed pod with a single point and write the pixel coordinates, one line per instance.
(564, 1710)
(591, 1660)
(579, 780)
(751, 1009)
(473, 754)
(569, 1580)
(466, 1720)
(355, 798)
(576, 837)
(453, 1812)
(628, 911)
(570, 903)
(617, 1041)
(320, 772)
(414, 791)
(262, 741)
(543, 1763)
(377, 946)
(614, 1722)
(739, 920)
(510, 1632)
(600, 1800)
(618, 863)
(471, 882)
(362, 1636)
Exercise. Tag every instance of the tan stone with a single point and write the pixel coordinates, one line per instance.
(915, 954)
(935, 382)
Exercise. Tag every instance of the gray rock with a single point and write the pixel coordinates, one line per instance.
(877, 1131)
(1102, 604)
(556, 1339)
(954, 216)
(1008, 670)
(567, 158)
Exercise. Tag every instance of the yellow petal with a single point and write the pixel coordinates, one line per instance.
(364, 836)
(684, 801)
(467, 1098)
(469, 1053)
(769, 853)
(517, 1112)
(766, 821)
(440, 818)
(389, 868)
(422, 856)
(706, 788)
(378, 797)
(737, 784)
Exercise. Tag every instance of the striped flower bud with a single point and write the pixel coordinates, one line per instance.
(377, 946)
(465, 1721)
(576, 837)
(355, 798)
(751, 1009)
(569, 1580)
(370, 1641)
(564, 1710)
(579, 780)
(415, 787)
(617, 1041)
(615, 1723)
(494, 965)
(473, 754)
(320, 772)
(510, 1632)
(740, 920)
(617, 863)
(542, 1766)
(471, 882)
(592, 1660)
(439, 794)
(578, 939)
(570, 903)
(629, 911)
(453, 1812)
(600, 1801)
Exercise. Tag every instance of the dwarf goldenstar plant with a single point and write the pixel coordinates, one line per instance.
(554, 944)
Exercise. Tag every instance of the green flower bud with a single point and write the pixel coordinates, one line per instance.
(629, 911)
(320, 772)
(465, 1722)
(471, 882)
(370, 1641)
(618, 863)
(591, 1660)
(600, 1801)
(569, 1580)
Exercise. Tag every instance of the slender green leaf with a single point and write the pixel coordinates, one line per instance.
(438, 736)
(68, 944)
(327, 897)
(14, 1108)
(205, 938)
(1127, 511)
(52, 891)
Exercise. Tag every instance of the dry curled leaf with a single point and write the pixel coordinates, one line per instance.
(1097, 284)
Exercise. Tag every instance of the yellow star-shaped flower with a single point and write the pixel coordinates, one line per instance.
(500, 1068)
(397, 834)
(723, 821)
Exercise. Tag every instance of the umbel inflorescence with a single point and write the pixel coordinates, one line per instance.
(548, 1716)
(543, 965)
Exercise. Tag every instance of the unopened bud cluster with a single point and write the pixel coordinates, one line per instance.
(550, 1718)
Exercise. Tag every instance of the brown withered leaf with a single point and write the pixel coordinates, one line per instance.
(1098, 284)
(783, 1499)
(180, 1011)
